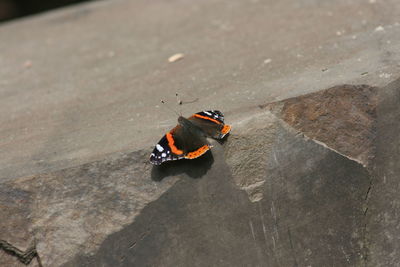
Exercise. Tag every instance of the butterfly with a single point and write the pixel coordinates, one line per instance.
(188, 140)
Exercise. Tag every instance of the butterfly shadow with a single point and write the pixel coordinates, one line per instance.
(194, 168)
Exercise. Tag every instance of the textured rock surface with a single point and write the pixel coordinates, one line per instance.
(246, 150)
(93, 85)
(383, 225)
(343, 118)
(311, 213)
(72, 210)
(79, 114)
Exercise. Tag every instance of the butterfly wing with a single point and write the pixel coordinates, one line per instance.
(211, 122)
(163, 152)
(177, 144)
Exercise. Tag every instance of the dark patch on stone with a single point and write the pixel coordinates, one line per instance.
(194, 168)
(343, 117)
(23, 256)
(99, 195)
(383, 203)
(15, 207)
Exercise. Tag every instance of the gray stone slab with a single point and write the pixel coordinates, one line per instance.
(80, 112)
(82, 82)
(383, 227)
(72, 210)
(311, 214)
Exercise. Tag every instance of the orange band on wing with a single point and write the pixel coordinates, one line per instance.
(198, 152)
(206, 118)
(226, 129)
(171, 142)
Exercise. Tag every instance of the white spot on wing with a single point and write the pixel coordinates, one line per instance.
(208, 113)
(163, 155)
(159, 148)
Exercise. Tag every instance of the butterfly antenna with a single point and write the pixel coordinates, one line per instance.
(166, 106)
(179, 101)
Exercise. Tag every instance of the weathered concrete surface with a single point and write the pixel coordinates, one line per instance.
(75, 86)
(79, 114)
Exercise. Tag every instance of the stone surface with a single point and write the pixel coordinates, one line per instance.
(383, 225)
(300, 195)
(79, 114)
(246, 148)
(74, 209)
(342, 117)
(309, 215)
(92, 86)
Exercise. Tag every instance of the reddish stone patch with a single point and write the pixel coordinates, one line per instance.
(343, 117)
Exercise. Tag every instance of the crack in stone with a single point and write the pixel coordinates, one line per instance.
(292, 247)
(365, 232)
(142, 236)
(23, 256)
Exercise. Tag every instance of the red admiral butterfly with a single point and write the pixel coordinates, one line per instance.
(188, 139)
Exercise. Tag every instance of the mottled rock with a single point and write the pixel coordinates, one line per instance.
(342, 117)
(72, 210)
(252, 140)
(79, 114)
(311, 212)
(303, 205)
(383, 225)
(15, 205)
(93, 85)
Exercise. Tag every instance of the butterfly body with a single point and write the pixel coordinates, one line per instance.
(188, 140)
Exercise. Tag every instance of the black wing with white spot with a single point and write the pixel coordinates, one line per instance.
(211, 122)
(162, 152)
(213, 114)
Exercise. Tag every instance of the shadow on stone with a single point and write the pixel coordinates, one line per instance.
(194, 168)
(224, 140)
